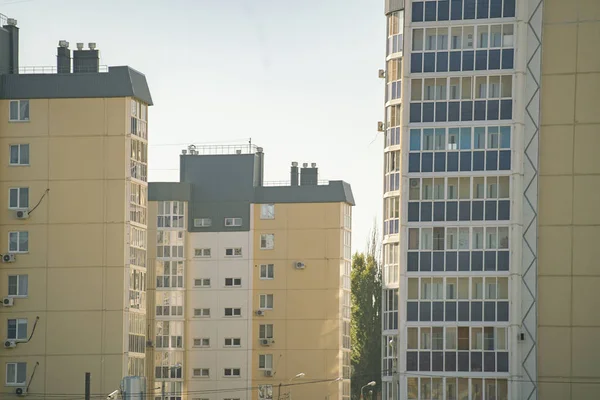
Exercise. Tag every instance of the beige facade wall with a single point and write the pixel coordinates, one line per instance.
(307, 303)
(569, 202)
(78, 284)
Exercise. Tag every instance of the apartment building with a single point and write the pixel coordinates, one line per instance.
(250, 280)
(491, 186)
(73, 222)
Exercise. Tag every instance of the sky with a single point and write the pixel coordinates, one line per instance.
(297, 77)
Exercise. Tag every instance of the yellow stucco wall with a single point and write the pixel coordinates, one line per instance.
(569, 203)
(77, 242)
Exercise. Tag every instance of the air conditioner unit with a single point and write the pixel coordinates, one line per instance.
(21, 392)
(268, 372)
(382, 73)
(10, 344)
(266, 342)
(380, 127)
(260, 313)
(414, 183)
(8, 258)
(149, 343)
(299, 265)
(22, 214)
(8, 302)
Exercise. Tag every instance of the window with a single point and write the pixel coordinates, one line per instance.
(232, 372)
(201, 372)
(233, 252)
(233, 312)
(19, 110)
(18, 198)
(267, 271)
(202, 312)
(16, 373)
(233, 342)
(169, 334)
(265, 331)
(267, 211)
(17, 329)
(265, 392)
(233, 222)
(266, 302)
(202, 222)
(19, 154)
(205, 253)
(18, 242)
(267, 241)
(201, 342)
(202, 282)
(265, 361)
(17, 285)
(233, 282)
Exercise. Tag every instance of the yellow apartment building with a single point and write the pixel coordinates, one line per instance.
(249, 282)
(73, 165)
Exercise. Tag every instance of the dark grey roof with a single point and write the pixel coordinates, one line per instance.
(117, 82)
(167, 191)
(334, 192)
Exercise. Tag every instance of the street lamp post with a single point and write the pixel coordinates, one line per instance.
(300, 375)
(372, 383)
(334, 381)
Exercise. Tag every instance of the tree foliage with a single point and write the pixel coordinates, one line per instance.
(366, 319)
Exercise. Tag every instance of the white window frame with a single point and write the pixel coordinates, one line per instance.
(235, 252)
(19, 149)
(19, 195)
(267, 211)
(264, 301)
(20, 325)
(203, 342)
(201, 372)
(233, 284)
(18, 241)
(266, 360)
(19, 278)
(204, 313)
(263, 331)
(202, 282)
(202, 253)
(232, 342)
(15, 382)
(267, 241)
(233, 221)
(233, 312)
(202, 222)
(264, 271)
(265, 392)
(22, 105)
(232, 372)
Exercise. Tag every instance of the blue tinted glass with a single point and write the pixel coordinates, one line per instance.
(426, 210)
(427, 162)
(506, 109)
(443, 10)
(414, 162)
(425, 261)
(464, 211)
(428, 110)
(493, 108)
(428, 139)
(415, 139)
(456, 13)
(476, 315)
(439, 213)
(417, 11)
(452, 206)
(478, 157)
(505, 157)
(503, 356)
(494, 59)
(429, 65)
(467, 61)
(490, 210)
(464, 261)
(481, 60)
(463, 315)
(477, 215)
(505, 137)
(451, 259)
(413, 211)
(415, 112)
(469, 9)
(465, 161)
(424, 315)
(496, 9)
(483, 8)
(504, 210)
(466, 110)
(412, 315)
(412, 261)
(440, 111)
(465, 138)
(416, 62)
(479, 136)
(455, 58)
(440, 162)
(454, 111)
(509, 8)
(490, 259)
(508, 58)
(480, 110)
(442, 61)
(430, 11)
(503, 260)
(453, 161)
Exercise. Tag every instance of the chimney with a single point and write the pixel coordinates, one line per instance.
(309, 176)
(86, 60)
(13, 45)
(294, 174)
(63, 58)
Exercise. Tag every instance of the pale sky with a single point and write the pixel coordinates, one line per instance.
(298, 77)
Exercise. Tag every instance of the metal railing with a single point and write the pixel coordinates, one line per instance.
(49, 69)
(221, 149)
(320, 182)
